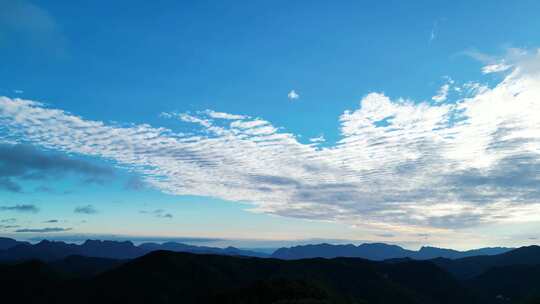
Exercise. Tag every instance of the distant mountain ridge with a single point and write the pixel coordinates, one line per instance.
(45, 250)
(6, 243)
(379, 252)
(469, 267)
(55, 250)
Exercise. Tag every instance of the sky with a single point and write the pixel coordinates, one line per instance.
(271, 123)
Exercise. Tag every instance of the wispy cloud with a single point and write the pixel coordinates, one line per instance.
(135, 183)
(442, 94)
(400, 166)
(34, 25)
(495, 68)
(222, 115)
(20, 208)
(433, 33)
(23, 162)
(158, 213)
(42, 230)
(293, 95)
(317, 139)
(88, 209)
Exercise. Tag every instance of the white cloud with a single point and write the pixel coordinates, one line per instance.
(442, 94)
(317, 139)
(222, 115)
(400, 165)
(18, 91)
(495, 68)
(433, 33)
(293, 95)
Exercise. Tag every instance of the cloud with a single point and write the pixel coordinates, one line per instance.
(26, 24)
(385, 235)
(135, 183)
(221, 115)
(23, 162)
(433, 33)
(88, 209)
(42, 230)
(78, 238)
(18, 91)
(442, 94)
(9, 226)
(9, 185)
(495, 68)
(158, 213)
(21, 208)
(51, 221)
(44, 189)
(293, 95)
(317, 139)
(400, 166)
(519, 61)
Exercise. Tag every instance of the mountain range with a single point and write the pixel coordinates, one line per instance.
(11, 249)
(172, 277)
(379, 252)
(54, 250)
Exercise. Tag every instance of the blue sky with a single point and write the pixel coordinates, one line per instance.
(409, 123)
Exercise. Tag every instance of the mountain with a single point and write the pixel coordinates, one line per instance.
(44, 250)
(77, 266)
(111, 249)
(6, 243)
(174, 277)
(377, 252)
(55, 250)
(171, 277)
(190, 278)
(428, 253)
(469, 267)
(30, 282)
(508, 283)
(179, 247)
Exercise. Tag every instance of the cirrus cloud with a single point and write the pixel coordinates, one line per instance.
(399, 165)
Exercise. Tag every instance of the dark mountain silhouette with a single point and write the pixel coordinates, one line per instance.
(515, 283)
(30, 282)
(469, 267)
(111, 249)
(172, 277)
(377, 252)
(196, 278)
(55, 250)
(6, 243)
(179, 247)
(44, 250)
(77, 266)
(428, 253)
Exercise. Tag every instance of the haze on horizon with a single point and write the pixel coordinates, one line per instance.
(261, 124)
